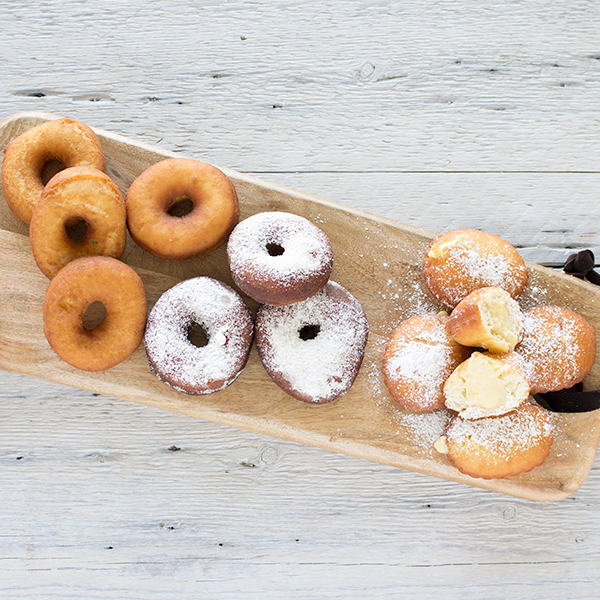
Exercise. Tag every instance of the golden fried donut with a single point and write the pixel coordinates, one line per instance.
(558, 346)
(155, 199)
(487, 318)
(69, 142)
(484, 386)
(78, 285)
(461, 261)
(497, 447)
(81, 213)
(418, 359)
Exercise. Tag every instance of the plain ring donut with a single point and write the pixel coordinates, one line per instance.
(220, 320)
(157, 196)
(77, 286)
(279, 258)
(67, 141)
(81, 213)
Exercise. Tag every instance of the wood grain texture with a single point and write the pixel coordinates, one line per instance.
(378, 261)
(479, 112)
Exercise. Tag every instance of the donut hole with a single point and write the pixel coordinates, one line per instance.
(275, 249)
(76, 229)
(94, 315)
(180, 206)
(197, 335)
(50, 169)
(309, 332)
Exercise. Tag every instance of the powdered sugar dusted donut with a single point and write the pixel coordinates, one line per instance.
(201, 302)
(497, 447)
(558, 348)
(420, 355)
(279, 258)
(313, 349)
(461, 261)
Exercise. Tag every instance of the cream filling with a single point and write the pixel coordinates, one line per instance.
(501, 317)
(482, 386)
(440, 445)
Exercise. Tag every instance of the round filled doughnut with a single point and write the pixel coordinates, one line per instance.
(198, 336)
(313, 349)
(461, 261)
(558, 348)
(79, 285)
(66, 141)
(279, 258)
(178, 208)
(419, 356)
(81, 213)
(498, 447)
(487, 318)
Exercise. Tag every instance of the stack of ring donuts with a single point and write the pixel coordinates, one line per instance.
(78, 222)
(485, 360)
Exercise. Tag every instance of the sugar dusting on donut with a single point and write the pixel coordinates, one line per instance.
(558, 347)
(313, 349)
(424, 364)
(225, 318)
(279, 258)
(522, 428)
(491, 270)
(418, 359)
(461, 261)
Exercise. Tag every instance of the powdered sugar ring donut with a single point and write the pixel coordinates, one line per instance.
(227, 322)
(313, 349)
(279, 258)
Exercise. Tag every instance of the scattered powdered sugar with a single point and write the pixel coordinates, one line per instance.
(424, 428)
(278, 246)
(228, 325)
(324, 366)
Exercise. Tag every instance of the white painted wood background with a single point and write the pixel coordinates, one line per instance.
(435, 113)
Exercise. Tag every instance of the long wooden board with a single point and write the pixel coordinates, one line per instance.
(376, 259)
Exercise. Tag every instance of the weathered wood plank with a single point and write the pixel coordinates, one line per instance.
(321, 86)
(243, 514)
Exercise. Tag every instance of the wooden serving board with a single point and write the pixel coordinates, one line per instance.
(376, 259)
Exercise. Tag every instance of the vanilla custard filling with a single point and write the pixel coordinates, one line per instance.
(483, 386)
(501, 317)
